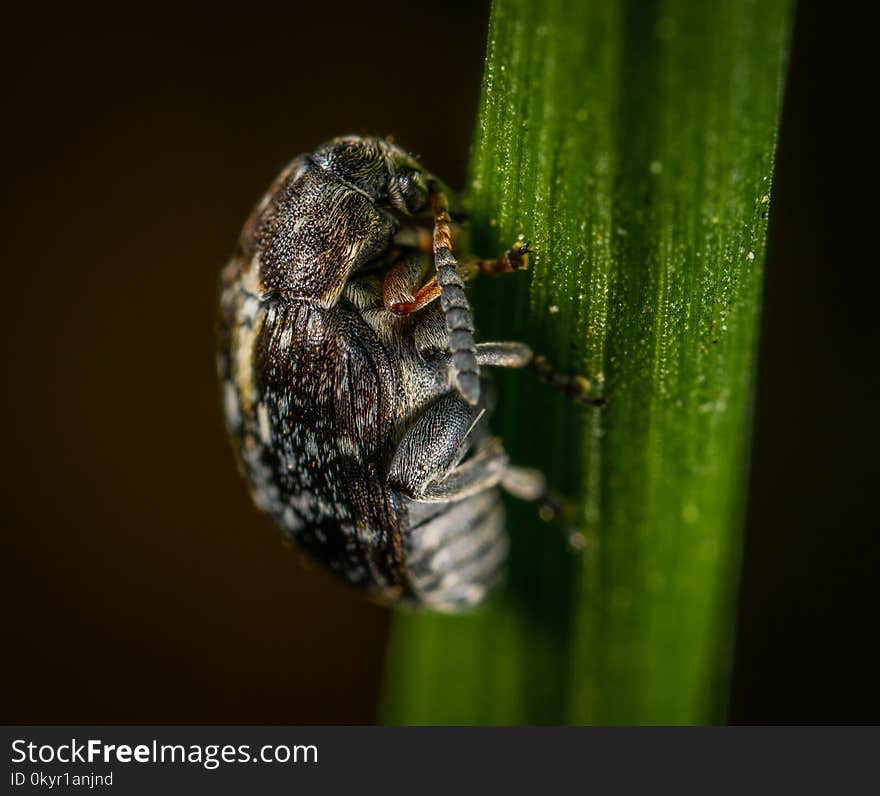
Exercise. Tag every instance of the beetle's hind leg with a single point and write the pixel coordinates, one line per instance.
(436, 461)
(481, 471)
(429, 463)
(529, 484)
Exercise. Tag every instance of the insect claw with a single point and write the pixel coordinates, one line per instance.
(517, 256)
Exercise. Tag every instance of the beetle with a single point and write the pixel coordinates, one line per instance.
(353, 387)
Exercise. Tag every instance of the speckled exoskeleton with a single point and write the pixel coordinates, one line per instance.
(355, 398)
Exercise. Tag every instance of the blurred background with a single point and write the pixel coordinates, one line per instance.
(142, 586)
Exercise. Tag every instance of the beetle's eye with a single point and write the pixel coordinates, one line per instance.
(410, 191)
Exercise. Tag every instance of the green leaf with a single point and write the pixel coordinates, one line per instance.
(632, 143)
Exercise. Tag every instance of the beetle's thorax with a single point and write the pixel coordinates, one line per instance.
(314, 233)
(416, 346)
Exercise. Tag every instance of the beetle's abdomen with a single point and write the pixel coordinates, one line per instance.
(454, 553)
(310, 415)
(328, 424)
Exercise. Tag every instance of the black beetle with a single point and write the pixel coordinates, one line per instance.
(354, 397)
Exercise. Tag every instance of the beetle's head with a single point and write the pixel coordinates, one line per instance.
(408, 181)
(383, 171)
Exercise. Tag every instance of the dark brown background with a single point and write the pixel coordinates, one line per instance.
(142, 586)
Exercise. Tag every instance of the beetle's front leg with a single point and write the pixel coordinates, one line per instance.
(403, 290)
(422, 238)
(516, 258)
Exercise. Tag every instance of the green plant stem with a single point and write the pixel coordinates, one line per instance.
(632, 143)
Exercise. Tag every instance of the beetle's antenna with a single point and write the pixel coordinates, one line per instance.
(456, 309)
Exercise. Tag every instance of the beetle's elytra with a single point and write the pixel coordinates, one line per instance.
(354, 397)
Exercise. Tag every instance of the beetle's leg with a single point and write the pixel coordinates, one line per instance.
(516, 258)
(435, 443)
(421, 238)
(483, 470)
(529, 484)
(456, 309)
(576, 387)
(519, 355)
(504, 355)
(399, 293)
